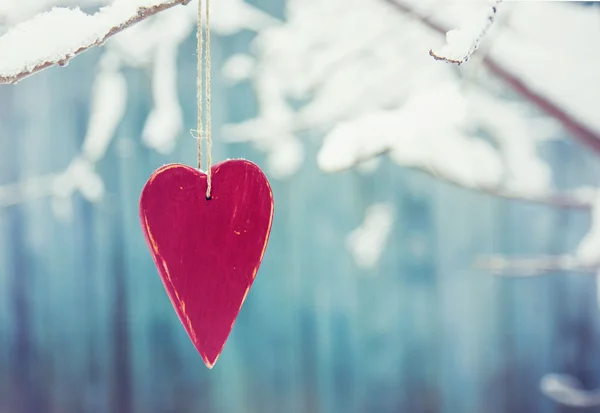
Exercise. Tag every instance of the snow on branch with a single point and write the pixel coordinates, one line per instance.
(44, 41)
(567, 390)
(463, 42)
(410, 135)
(368, 241)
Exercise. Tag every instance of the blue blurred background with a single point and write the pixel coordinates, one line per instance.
(85, 324)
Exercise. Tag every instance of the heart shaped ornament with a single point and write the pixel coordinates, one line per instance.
(207, 251)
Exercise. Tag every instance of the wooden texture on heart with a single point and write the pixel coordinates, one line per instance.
(207, 252)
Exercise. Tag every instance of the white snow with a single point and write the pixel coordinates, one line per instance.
(517, 132)
(54, 44)
(232, 16)
(109, 100)
(285, 157)
(368, 241)
(238, 67)
(570, 52)
(79, 176)
(411, 136)
(463, 42)
(165, 121)
(13, 12)
(567, 390)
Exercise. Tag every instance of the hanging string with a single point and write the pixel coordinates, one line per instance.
(206, 62)
(199, 85)
(208, 116)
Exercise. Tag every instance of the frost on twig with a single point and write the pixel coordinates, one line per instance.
(462, 43)
(567, 390)
(43, 41)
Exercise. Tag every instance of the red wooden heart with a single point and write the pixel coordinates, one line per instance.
(207, 251)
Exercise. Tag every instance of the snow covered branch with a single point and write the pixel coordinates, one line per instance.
(367, 242)
(462, 43)
(567, 390)
(63, 33)
(410, 136)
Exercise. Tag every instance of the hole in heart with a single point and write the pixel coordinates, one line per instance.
(208, 198)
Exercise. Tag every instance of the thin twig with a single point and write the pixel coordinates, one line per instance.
(142, 14)
(476, 41)
(535, 266)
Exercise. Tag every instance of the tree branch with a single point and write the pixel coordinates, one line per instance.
(568, 200)
(581, 132)
(21, 59)
(567, 390)
(535, 266)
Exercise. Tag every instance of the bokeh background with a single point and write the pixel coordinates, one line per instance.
(399, 284)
